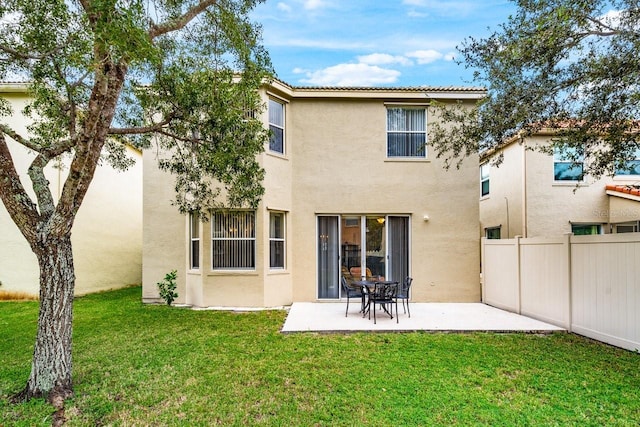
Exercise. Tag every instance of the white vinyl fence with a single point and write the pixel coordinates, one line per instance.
(589, 285)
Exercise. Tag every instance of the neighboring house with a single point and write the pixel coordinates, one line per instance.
(107, 232)
(534, 194)
(348, 184)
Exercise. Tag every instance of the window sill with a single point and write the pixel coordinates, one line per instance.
(485, 197)
(194, 272)
(233, 273)
(276, 155)
(278, 272)
(626, 178)
(407, 159)
(570, 184)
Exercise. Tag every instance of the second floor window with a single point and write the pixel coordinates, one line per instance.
(276, 126)
(631, 167)
(406, 132)
(233, 240)
(567, 165)
(484, 179)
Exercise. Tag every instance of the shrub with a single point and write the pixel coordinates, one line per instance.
(167, 287)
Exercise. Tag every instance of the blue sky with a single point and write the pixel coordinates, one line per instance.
(374, 42)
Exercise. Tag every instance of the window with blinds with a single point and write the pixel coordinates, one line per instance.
(406, 132)
(233, 240)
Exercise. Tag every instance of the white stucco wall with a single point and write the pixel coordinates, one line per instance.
(107, 233)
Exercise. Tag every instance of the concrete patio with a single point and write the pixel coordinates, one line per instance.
(449, 317)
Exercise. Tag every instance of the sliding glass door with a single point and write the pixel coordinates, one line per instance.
(374, 247)
(328, 258)
(398, 248)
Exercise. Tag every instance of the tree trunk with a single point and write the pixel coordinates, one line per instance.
(51, 366)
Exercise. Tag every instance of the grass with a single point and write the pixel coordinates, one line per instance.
(156, 365)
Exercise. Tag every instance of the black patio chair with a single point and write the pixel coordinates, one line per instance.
(385, 294)
(403, 293)
(351, 292)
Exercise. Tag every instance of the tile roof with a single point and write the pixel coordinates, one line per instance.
(394, 89)
(634, 190)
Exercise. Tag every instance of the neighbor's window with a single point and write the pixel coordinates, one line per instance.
(585, 229)
(276, 126)
(276, 240)
(492, 233)
(631, 167)
(406, 132)
(484, 179)
(627, 227)
(194, 237)
(233, 240)
(564, 167)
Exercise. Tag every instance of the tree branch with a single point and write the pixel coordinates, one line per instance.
(141, 129)
(100, 112)
(50, 151)
(176, 137)
(4, 129)
(599, 24)
(180, 22)
(41, 185)
(16, 200)
(29, 56)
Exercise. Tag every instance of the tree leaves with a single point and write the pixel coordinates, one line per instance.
(565, 65)
(192, 69)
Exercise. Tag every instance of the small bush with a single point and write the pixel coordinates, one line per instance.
(167, 287)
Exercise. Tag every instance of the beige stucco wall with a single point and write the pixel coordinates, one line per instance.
(553, 206)
(544, 207)
(622, 210)
(503, 206)
(164, 233)
(334, 164)
(107, 232)
(341, 168)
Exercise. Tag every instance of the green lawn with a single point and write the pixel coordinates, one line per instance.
(156, 365)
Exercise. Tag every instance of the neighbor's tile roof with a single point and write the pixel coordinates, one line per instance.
(625, 189)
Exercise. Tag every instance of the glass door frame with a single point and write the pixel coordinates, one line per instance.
(339, 244)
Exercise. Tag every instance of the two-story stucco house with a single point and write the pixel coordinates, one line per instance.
(534, 194)
(349, 185)
(107, 232)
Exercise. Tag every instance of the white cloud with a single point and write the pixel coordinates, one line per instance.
(425, 56)
(284, 7)
(415, 14)
(451, 56)
(610, 19)
(450, 8)
(314, 4)
(351, 75)
(383, 59)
